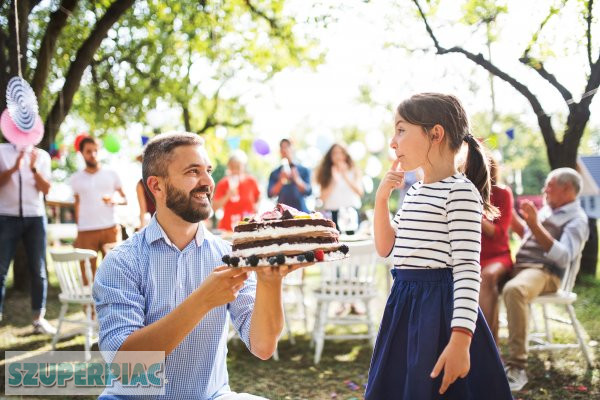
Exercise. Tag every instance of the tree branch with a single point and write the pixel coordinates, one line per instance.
(553, 11)
(82, 60)
(588, 33)
(58, 20)
(543, 118)
(272, 22)
(538, 67)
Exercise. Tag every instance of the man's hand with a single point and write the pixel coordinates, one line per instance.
(274, 274)
(454, 360)
(222, 285)
(529, 213)
(33, 158)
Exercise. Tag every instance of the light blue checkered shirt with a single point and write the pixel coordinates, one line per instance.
(144, 279)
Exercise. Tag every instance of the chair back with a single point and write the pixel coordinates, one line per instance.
(353, 275)
(68, 271)
(568, 281)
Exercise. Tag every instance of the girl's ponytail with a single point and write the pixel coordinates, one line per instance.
(476, 168)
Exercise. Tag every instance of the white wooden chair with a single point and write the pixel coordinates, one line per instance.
(543, 341)
(74, 291)
(349, 280)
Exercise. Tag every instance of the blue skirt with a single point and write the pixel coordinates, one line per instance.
(415, 330)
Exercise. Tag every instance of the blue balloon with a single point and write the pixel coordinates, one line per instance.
(234, 142)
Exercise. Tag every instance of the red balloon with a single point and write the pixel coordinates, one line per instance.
(78, 139)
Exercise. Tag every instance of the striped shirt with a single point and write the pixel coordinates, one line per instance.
(439, 226)
(144, 279)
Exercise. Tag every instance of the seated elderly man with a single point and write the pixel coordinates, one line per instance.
(552, 240)
(165, 289)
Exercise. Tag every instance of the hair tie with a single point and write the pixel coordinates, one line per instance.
(468, 138)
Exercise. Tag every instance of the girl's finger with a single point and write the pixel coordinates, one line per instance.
(438, 367)
(395, 165)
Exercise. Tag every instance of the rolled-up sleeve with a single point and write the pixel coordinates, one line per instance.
(241, 310)
(119, 301)
(564, 250)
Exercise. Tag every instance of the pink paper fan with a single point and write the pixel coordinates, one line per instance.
(18, 137)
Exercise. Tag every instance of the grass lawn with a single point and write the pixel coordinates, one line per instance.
(343, 370)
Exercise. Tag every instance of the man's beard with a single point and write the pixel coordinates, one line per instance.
(182, 204)
(91, 164)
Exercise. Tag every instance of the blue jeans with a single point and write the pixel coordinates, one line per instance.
(33, 232)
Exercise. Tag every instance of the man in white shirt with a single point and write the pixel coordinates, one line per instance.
(94, 190)
(24, 180)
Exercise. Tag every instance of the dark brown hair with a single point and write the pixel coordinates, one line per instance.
(158, 152)
(86, 140)
(430, 109)
(323, 173)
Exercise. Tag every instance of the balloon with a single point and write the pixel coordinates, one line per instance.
(261, 147)
(145, 139)
(79, 138)
(324, 142)
(375, 142)
(373, 168)
(234, 142)
(357, 150)
(112, 144)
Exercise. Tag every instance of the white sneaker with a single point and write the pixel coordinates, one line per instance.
(517, 378)
(43, 326)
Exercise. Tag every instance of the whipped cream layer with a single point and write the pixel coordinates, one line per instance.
(277, 232)
(284, 248)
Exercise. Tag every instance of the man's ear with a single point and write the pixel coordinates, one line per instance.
(156, 186)
(437, 133)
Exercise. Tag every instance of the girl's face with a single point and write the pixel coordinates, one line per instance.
(410, 143)
(337, 155)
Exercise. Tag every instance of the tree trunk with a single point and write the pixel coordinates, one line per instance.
(186, 119)
(589, 257)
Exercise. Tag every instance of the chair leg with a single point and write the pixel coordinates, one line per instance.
(313, 336)
(579, 334)
(61, 316)
(288, 326)
(320, 331)
(276, 354)
(88, 332)
(303, 306)
(547, 323)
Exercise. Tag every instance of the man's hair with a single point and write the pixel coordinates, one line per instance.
(239, 156)
(567, 176)
(85, 141)
(159, 151)
(285, 141)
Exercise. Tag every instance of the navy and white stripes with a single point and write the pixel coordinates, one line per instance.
(439, 226)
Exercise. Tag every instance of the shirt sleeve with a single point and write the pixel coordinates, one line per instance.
(119, 300)
(241, 309)
(305, 175)
(73, 183)
(220, 189)
(564, 250)
(273, 178)
(464, 211)
(44, 164)
(504, 204)
(118, 183)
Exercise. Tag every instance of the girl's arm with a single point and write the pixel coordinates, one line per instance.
(355, 184)
(385, 235)
(139, 189)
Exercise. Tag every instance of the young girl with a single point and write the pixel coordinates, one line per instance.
(433, 341)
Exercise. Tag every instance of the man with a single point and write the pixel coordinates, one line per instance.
(165, 289)
(94, 189)
(290, 181)
(237, 193)
(24, 180)
(552, 240)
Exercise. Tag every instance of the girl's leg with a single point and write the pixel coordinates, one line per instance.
(491, 275)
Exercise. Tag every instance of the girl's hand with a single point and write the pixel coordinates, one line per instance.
(393, 179)
(454, 360)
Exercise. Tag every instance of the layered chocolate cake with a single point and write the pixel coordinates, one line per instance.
(284, 236)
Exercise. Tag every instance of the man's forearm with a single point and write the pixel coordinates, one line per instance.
(542, 236)
(5, 176)
(267, 320)
(41, 184)
(166, 333)
(275, 189)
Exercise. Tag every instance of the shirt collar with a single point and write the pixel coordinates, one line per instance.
(569, 207)
(155, 232)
